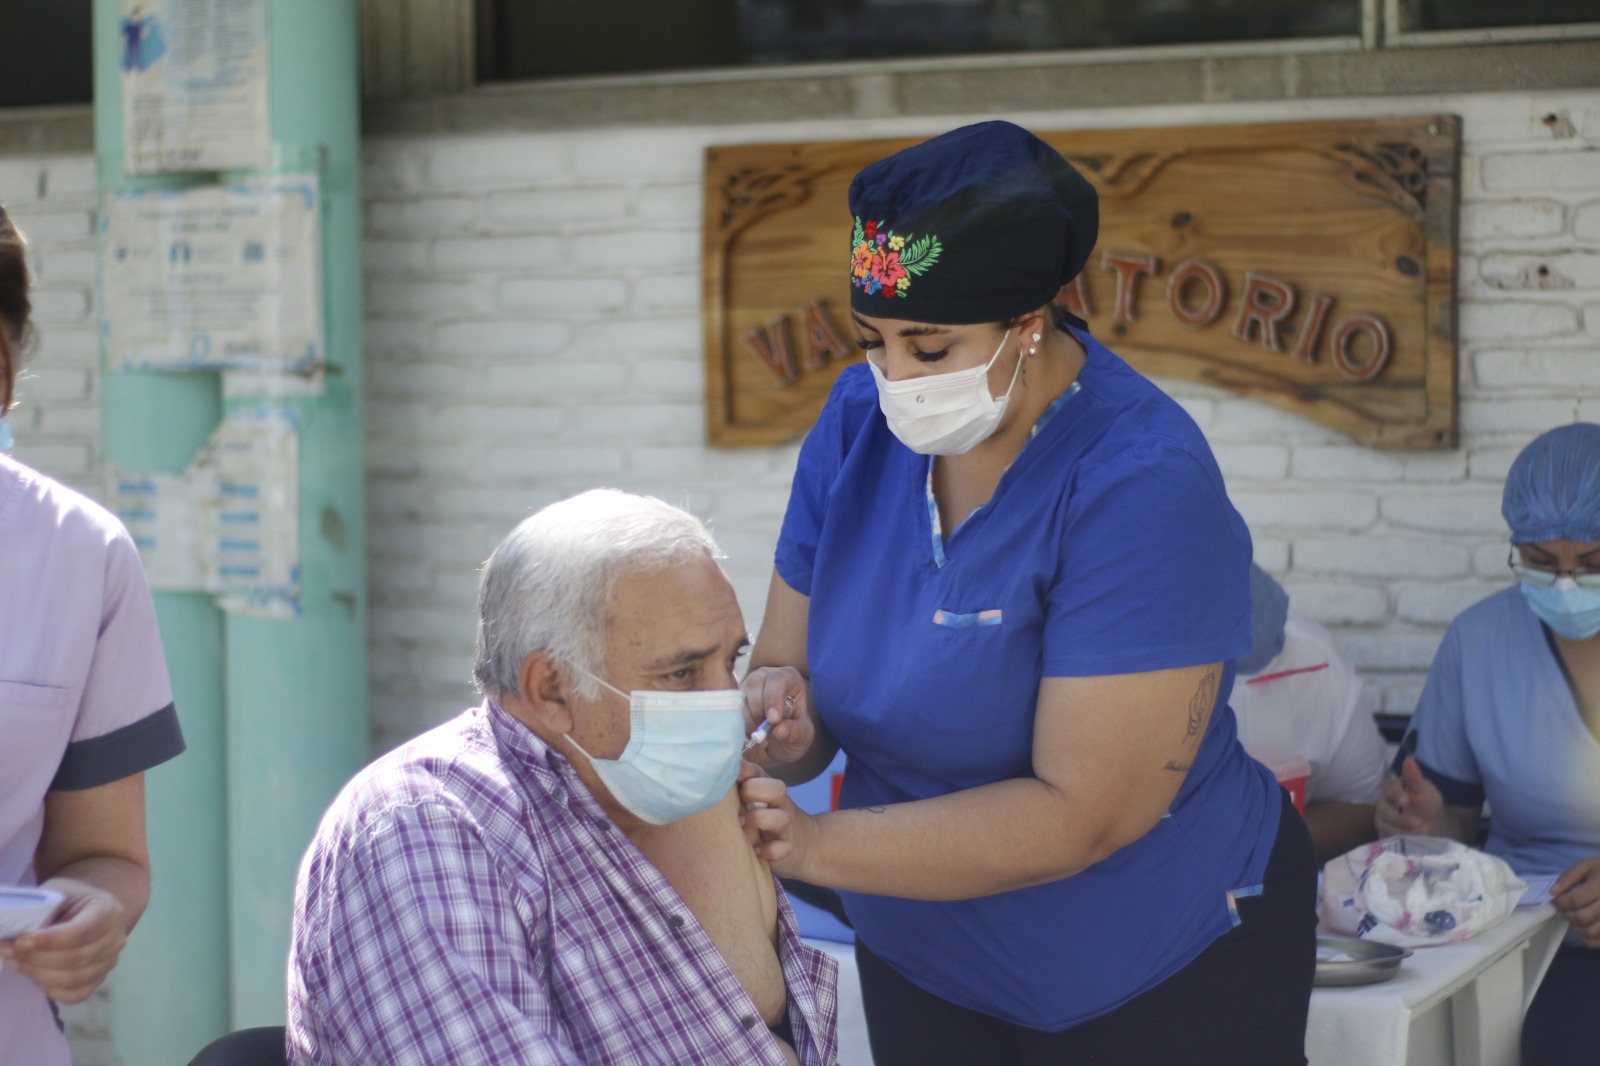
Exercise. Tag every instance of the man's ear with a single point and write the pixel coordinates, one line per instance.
(545, 693)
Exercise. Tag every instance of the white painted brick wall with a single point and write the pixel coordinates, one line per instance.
(533, 330)
(57, 422)
(1384, 547)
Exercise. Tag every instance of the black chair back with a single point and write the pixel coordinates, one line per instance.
(246, 1047)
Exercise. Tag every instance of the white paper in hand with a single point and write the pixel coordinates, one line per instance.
(23, 910)
(1538, 893)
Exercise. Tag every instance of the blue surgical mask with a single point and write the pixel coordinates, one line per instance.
(1571, 611)
(6, 440)
(683, 752)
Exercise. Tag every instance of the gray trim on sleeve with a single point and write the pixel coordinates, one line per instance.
(1455, 793)
(133, 749)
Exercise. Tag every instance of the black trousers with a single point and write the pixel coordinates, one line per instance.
(1241, 1002)
(1563, 1023)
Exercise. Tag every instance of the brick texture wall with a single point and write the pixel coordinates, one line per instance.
(57, 422)
(533, 330)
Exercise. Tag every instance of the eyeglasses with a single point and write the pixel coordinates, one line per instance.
(1538, 575)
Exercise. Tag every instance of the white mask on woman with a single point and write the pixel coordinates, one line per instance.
(944, 414)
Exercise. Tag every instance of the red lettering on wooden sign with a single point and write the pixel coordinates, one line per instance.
(770, 344)
(1345, 362)
(1075, 298)
(1267, 301)
(1305, 349)
(1216, 290)
(1128, 268)
(823, 339)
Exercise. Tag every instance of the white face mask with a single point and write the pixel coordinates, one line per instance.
(683, 752)
(944, 414)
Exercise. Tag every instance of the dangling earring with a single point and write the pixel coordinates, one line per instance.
(1034, 349)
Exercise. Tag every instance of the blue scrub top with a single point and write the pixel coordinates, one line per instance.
(1497, 720)
(1109, 547)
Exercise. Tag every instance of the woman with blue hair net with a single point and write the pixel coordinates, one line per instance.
(1511, 715)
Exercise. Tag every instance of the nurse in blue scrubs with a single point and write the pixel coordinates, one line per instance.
(1511, 715)
(1009, 584)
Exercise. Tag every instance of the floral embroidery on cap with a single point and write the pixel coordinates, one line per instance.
(882, 262)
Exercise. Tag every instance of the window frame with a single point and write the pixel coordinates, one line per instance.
(1395, 35)
(1380, 29)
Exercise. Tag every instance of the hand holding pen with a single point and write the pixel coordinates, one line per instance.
(1410, 805)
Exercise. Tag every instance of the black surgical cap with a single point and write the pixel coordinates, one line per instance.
(980, 224)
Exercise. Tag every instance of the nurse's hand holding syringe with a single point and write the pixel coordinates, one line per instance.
(778, 719)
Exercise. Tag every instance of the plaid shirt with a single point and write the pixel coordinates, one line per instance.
(466, 900)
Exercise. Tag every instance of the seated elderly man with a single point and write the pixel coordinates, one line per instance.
(561, 874)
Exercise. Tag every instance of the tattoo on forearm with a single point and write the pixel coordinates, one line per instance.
(1205, 697)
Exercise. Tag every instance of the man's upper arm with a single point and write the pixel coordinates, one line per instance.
(428, 959)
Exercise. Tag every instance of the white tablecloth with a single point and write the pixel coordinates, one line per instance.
(1455, 1005)
(1452, 1005)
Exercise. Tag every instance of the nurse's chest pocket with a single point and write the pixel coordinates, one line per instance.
(35, 726)
(965, 651)
(963, 618)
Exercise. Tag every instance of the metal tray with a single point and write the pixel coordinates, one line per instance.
(1344, 960)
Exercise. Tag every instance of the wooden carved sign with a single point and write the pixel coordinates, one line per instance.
(1309, 264)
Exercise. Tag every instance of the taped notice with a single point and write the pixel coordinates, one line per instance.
(229, 524)
(194, 84)
(214, 277)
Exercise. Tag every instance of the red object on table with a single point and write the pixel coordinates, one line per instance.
(1292, 772)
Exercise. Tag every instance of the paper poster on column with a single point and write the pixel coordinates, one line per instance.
(214, 277)
(194, 85)
(163, 517)
(229, 524)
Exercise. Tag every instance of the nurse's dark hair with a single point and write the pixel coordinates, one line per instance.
(1058, 316)
(14, 305)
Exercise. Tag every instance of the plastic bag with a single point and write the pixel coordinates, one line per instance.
(1417, 891)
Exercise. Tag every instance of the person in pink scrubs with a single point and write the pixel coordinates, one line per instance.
(85, 709)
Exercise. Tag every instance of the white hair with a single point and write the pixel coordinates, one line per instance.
(548, 585)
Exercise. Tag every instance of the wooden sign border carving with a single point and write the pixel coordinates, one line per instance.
(1412, 163)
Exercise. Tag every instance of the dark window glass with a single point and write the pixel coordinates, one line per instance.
(1485, 14)
(549, 38)
(45, 52)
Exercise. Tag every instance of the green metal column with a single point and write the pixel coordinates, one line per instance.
(274, 710)
(297, 704)
(169, 993)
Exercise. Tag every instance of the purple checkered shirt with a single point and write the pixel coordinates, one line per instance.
(466, 900)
